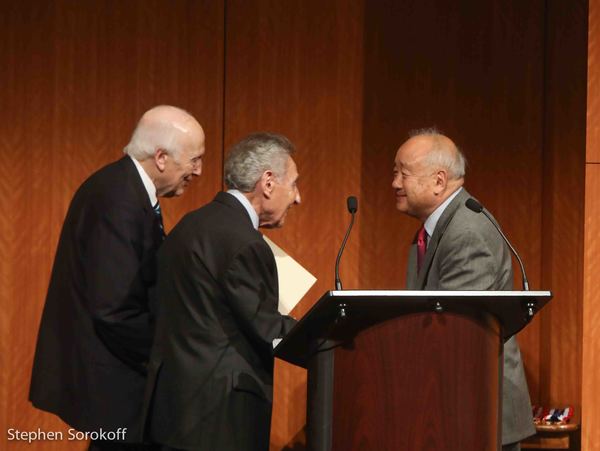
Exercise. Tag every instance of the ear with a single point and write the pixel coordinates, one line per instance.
(160, 159)
(441, 181)
(267, 182)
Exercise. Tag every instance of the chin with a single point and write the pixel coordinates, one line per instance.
(179, 191)
(275, 225)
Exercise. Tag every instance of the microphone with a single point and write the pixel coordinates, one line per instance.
(475, 206)
(352, 204)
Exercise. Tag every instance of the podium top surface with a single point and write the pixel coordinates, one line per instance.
(354, 310)
(372, 294)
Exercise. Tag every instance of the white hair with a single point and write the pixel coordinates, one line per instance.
(255, 154)
(442, 155)
(159, 132)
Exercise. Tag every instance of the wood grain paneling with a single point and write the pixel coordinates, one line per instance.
(590, 369)
(590, 381)
(563, 197)
(295, 67)
(403, 379)
(75, 78)
(474, 70)
(593, 84)
(346, 81)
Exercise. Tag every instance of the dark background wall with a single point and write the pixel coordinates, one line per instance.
(346, 81)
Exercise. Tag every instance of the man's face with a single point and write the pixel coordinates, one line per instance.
(414, 182)
(284, 194)
(179, 172)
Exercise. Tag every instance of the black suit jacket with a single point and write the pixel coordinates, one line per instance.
(96, 329)
(211, 370)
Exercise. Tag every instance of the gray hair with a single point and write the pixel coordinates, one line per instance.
(252, 156)
(444, 153)
(156, 130)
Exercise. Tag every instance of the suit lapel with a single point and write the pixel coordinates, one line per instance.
(438, 233)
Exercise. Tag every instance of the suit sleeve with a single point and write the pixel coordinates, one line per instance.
(252, 293)
(116, 292)
(470, 263)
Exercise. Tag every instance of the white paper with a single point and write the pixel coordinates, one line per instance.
(294, 280)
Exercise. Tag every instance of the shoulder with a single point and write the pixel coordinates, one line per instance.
(467, 228)
(116, 183)
(217, 226)
(228, 218)
(121, 169)
(113, 195)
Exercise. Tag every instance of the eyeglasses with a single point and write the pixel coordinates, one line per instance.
(196, 161)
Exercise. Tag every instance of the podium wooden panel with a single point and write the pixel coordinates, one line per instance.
(406, 369)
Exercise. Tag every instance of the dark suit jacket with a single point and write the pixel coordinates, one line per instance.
(211, 369)
(466, 252)
(96, 329)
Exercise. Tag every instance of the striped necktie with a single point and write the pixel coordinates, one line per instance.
(158, 214)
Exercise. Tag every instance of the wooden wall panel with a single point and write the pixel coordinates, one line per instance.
(593, 84)
(590, 369)
(346, 81)
(590, 381)
(295, 67)
(475, 70)
(563, 197)
(75, 78)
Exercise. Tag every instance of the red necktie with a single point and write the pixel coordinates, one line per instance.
(421, 247)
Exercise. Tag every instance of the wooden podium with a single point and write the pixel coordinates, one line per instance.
(407, 370)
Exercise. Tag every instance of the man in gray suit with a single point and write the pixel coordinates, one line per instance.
(457, 249)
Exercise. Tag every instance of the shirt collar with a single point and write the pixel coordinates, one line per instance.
(434, 217)
(247, 205)
(147, 181)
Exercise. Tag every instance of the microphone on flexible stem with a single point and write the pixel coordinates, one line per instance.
(352, 203)
(475, 206)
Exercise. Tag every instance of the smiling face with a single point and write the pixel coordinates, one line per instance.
(280, 195)
(415, 183)
(178, 172)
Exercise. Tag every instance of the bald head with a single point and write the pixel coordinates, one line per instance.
(169, 144)
(167, 128)
(428, 168)
(438, 151)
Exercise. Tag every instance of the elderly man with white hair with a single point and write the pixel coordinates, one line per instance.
(458, 249)
(97, 326)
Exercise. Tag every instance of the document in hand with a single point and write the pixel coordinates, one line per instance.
(294, 280)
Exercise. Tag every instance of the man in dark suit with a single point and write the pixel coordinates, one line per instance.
(457, 249)
(97, 326)
(211, 368)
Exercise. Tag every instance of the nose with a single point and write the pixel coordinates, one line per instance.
(197, 169)
(396, 182)
(297, 200)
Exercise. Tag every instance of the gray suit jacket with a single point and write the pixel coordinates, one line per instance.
(467, 253)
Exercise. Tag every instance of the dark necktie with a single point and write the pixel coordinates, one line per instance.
(421, 247)
(158, 214)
